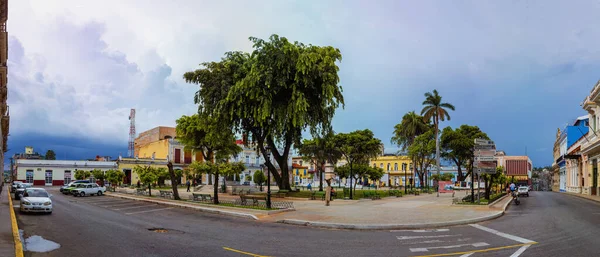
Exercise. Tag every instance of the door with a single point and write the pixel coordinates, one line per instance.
(177, 155)
(595, 177)
(48, 177)
(67, 177)
(29, 176)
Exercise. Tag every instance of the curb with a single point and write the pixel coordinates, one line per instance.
(579, 196)
(395, 226)
(198, 208)
(15, 229)
(388, 226)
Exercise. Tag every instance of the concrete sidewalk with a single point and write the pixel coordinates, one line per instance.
(408, 212)
(589, 197)
(7, 243)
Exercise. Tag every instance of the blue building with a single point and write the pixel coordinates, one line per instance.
(569, 136)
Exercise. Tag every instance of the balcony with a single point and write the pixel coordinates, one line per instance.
(591, 144)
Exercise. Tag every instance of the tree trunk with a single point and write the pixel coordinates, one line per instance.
(320, 178)
(328, 193)
(173, 184)
(437, 149)
(216, 187)
(150, 189)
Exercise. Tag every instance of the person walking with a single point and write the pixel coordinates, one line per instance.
(187, 183)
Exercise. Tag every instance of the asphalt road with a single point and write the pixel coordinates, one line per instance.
(545, 224)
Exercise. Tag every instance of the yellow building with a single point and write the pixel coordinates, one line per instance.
(161, 143)
(301, 175)
(395, 168)
(127, 165)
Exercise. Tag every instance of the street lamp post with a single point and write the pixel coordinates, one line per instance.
(268, 149)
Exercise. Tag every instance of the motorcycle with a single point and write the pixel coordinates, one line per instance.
(515, 196)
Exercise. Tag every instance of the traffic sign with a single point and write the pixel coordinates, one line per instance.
(486, 170)
(485, 147)
(485, 158)
(481, 141)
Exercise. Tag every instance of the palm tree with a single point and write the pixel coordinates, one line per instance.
(405, 133)
(437, 111)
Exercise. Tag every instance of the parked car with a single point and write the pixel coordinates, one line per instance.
(36, 200)
(88, 189)
(523, 190)
(68, 190)
(246, 183)
(72, 184)
(21, 189)
(13, 187)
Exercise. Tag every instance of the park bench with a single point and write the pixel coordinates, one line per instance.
(320, 194)
(165, 194)
(255, 198)
(201, 197)
(281, 193)
(140, 191)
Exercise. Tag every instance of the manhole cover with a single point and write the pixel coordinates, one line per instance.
(158, 230)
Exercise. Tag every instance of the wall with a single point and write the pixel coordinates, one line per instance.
(130, 164)
(153, 135)
(161, 148)
(574, 133)
(58, 168)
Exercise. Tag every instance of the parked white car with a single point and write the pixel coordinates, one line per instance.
(88, 189)
(36, 200)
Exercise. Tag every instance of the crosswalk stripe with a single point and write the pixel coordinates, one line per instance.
(419, 237)
(425, 249)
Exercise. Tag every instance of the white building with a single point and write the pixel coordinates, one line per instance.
(55, 172)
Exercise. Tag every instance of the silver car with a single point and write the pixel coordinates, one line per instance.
(21, 189)
(36, 200)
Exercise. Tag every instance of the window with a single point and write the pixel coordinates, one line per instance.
(404, 166)
(381, 165)
(177, 155)
(388, 166)
(304, 172)
(410, 166)
(67, 177)
(594, 123)
(247, 159)
(257, 160)
(49, 177)
(297, 172)
(300, 163)
(29, 176)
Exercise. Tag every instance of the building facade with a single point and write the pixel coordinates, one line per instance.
(518, 168)
(590, 147)
(55, 172)
(4, 113)
(397, 169)
(555, 163)
(127, 165)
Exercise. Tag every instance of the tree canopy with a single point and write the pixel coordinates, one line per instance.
(82, 174)
(410, 127)
(319, 151)
(357, 147)
(422, 152)
(272, 94)
(359, 171)
(457, 145)
(114, 177)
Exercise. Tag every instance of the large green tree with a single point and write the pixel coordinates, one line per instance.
(211, 137)
(405, 132)
(434, 109)
(273, 94)
(148, 175)
(115, 177)
(457, 146)
(357, 148)
(422, 152)
(99, 175)
(319, 151)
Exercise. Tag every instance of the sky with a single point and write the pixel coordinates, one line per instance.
(517, 69)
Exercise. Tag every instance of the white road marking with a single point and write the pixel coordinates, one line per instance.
(431, 230)
(133, 207)
(149, 211)
(436, 241)
(480, 244)
(520, 251)
(416, 237)
(422, 230)
(498, 233)
(116, 204)
(467, 255)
